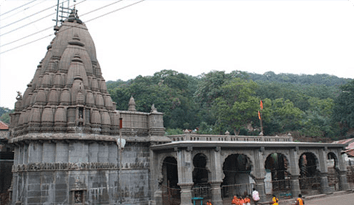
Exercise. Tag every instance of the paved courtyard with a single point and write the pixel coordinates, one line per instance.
(338, 198)
(345, 199)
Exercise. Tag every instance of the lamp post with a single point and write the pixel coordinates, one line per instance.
(120, 145)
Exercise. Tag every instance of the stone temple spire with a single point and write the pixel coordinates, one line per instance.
(67, 90)
(132, 104)
(65, 128)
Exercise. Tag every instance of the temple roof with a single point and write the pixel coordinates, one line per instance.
(3, 126)
(67, 92)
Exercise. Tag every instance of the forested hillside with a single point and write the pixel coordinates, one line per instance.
(216, 102)
(306, 105)
(4, 114)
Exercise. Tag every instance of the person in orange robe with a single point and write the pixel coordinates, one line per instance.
(299, 200)
(235, 201)
(247, 200)
(242, 201)
(275, 200)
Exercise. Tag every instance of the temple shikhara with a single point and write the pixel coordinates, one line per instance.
(71, 145)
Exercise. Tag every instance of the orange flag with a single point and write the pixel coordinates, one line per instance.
(259, 115)
(261, 105)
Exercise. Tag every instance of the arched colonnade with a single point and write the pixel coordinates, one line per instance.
(224, 169)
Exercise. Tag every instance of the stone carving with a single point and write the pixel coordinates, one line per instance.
(63, 166)
(19, 96)
(78, 196)
(153, 109)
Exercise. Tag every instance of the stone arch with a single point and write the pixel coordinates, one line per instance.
(278, 165)
(309, 179)
(277, 178)
(237, 169)
(308, 164)
(333, 170)
(206, 154)
(286, 154)
(249, 156)
(162, 178)
(334, 157)
(200, 170)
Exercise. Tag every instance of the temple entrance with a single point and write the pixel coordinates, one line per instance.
(309, 175)
(170, 189)
(277, 177)
(333, 176)
(201, 187)
(237, 181)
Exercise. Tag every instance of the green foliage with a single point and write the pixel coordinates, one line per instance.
(5, 114)
(286, 78)
(170, 131)
(343, 111)
(312, 105)
(168, 90)
(236, 107)
(204, 128)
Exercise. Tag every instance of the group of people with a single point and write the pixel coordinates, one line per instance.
(246, 200)
(241, 200)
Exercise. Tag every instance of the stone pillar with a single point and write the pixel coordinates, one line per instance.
(325, 189)
(156, 177)
(259, 172)
(157, 197)
(216, 176)
(295, 173)
(343, 183)
(185, 176)
(186, 193)
(295, 185)
(216, 193)
(260, 187)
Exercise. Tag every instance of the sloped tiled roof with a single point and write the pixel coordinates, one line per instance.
(350, 148)
(350, 152)
(3, 126)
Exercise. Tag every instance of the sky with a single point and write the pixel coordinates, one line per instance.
(188, 36)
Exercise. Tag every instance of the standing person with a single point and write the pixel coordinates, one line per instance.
(299, 200)
(255, 196)
(209, 202)
(275, 200)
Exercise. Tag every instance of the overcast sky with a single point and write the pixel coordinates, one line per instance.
(192, 37)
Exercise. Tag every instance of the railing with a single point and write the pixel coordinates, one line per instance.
(236, 189)
(281, 185)
(311, 183)
(333, 180)
(350, 176)
(204, 137)
(202, 191)
(171, 196)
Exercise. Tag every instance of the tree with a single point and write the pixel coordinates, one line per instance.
(317, 121)
(168, 90)
(5, 114)
(236, 107)
(343, 111)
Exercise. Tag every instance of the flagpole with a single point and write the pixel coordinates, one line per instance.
(261, 122)
(260, 115)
